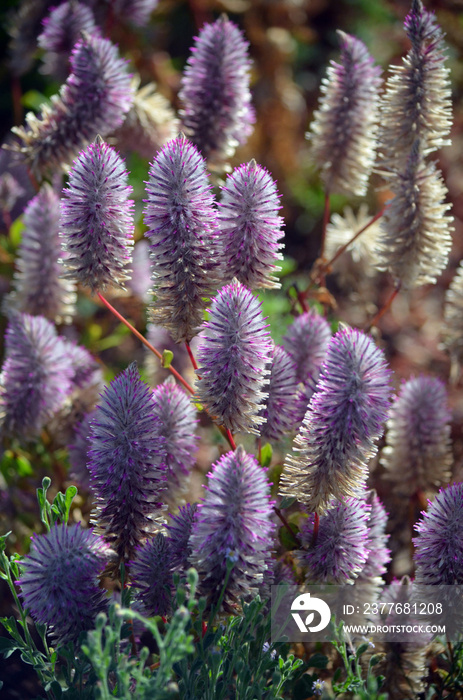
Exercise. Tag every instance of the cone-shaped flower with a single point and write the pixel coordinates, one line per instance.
(251, 227)
(182, 232)
(379, 555)
(233, 523)
(177, 425)
(36, 375)
(344, 418)
(341, 547)
(233, 352)
(151, 575)
(59, 580)
(180, 529)
(38, 286)
(125, 461)
(417, 100)
(93, 100)
(418, 452)
(281, 407)
(343, 133)
(306, 341)
(97, 219)
(416, 230)
(217, 113)
(439, 544)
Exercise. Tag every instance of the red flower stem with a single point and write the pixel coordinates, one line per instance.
(230, 438)
(259, 449)
(386, 307)
(144, 341)
(190, 353)
(286, 524)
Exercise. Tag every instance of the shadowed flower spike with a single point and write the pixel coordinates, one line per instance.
(126, 463)
(179, 530)
(417, 100)
(416, 230)
(38, 286)
(93, 100)
(182, 231)
(136, 12)
(452, 331)
(379, 555)
(36, 375)
(59, 580)
(234, 522)
(217, 114)
(343, 133)
(178, 422)
(306, 341)
(151, 576)
(439, 544)
(341, 548)
(233, 352)
(281, 408)
(251, 227)
(62, 29)
(418, 453)
(97, 219)
(344, 419)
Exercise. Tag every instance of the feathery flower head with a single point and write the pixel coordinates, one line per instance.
(59, 580)
(93, 100)
(306, 341)
(177, 425)
(38, 286)
(182, 231)
(342, 229)
(97, 219)
(439, 544)
(343, 133)
(151, 576)
(36, 376)
(416, 239)
(179, 530)
(126, 463)
(217, 115)
(233, 522)
(418, 452)
(251, 227)
(341, 548)
(417, 100)
(234, 350)
(281, 407)
(344, 418)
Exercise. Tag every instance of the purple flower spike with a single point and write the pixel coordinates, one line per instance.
(93, 100)
(217, 114)
(59, 583)
(281, 408)
(177, 421)
(343, 133)
(306, 341)
(379, 555)
(97, 219)
(344, 418)
(137, 12)
(341, 547)
(125, 461)
(439, 544)
(180, 529)
(39, 288)
(234, 350)
(251, 227)
(182, 232)
(234, 522)
(36, 376)
(151, 575)
(418, 453)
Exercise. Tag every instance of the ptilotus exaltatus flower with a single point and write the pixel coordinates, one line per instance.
(93, 100)
(151, 576)
(217, 114)
(97, 219)
(36, 375)
(234, 522)
(250, 227)
(281, 407)
(60, 580)
(38, 286)
(180, 529)
(344, 418)
(343, 133)
(182, 231)
(418, 453)
(417, 100)
(126, 463)
(233, 352)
